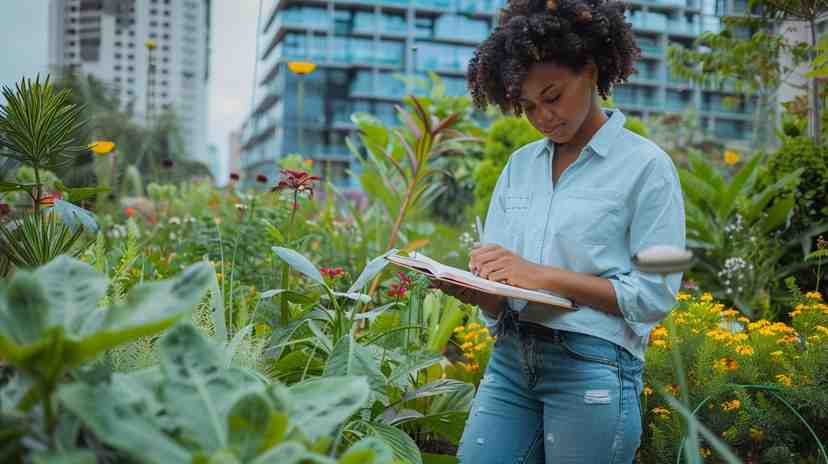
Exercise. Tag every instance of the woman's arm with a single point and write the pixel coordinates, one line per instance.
(493, 305)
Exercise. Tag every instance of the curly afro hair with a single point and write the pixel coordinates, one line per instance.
(568, 32)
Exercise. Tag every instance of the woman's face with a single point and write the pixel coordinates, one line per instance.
(557, 100)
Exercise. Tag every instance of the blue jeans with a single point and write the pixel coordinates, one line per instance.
(555, 397)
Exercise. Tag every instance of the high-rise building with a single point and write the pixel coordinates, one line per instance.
(108, 39)
(360, 47)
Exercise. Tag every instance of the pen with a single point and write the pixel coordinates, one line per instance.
(479, 226)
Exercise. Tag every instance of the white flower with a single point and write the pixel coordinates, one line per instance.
(175, 221)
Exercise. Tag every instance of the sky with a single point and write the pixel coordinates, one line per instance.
(24, 52)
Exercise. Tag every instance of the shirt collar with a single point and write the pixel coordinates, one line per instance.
(602, 140)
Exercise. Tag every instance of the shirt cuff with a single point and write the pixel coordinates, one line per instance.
(627, 296)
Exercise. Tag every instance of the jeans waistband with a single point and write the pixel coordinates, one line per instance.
(509, 323)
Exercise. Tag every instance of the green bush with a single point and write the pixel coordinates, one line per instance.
(810, 194)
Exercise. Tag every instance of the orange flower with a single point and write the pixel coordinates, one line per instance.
(129, 212)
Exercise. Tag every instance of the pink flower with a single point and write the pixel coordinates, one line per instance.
(332, 273)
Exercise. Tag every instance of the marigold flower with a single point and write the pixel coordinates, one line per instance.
(729, 313)
(466, 346)
(681, 296)
(459, 329)
(731, 405)
(822, 329)
(744, 320)
(659, 332)
(101, 147)
(707, 297)
(659, 343)
(726, 364)
(777, 353)
(744, 350)
(731, 157)
(814, 296)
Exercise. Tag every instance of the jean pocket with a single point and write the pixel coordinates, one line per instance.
(588, 348)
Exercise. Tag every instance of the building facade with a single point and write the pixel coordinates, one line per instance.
(360, 48)
(107, 39)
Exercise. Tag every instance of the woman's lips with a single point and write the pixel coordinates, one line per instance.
(556, 130)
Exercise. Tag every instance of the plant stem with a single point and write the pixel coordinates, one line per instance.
(38, 190)
(48, 412)
(284, 306)
(392, 240)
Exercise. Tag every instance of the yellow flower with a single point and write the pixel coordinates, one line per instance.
(744, 350)
(814, 296)
(726, 364)
(822, 329)
(731, 405)
(814, 339)
(705, 452)
(474, 326)
(660, 343)
(659, 332)
(648, 391)
(480, 347)
(740, 337)
(672, 389)
(794, 313)
(729, 313)
(150, 44)
(101, 147)
(731, 157)
(707, 297)
(681, 296)
(785, 379)
(744, 320)
(466, 346)
(777, 353)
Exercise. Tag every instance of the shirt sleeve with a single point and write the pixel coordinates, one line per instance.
(657, 219)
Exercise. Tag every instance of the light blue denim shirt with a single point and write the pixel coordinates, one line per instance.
(622, 195)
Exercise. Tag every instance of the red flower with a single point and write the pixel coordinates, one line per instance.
(398, 290)
(298, 181)
(234, 176)
(5, 209)
(332, 273)
(261, 178)
(129, 212)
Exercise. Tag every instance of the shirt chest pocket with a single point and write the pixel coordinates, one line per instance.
(591, 217)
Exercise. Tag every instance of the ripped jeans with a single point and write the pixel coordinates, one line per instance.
(555, 397)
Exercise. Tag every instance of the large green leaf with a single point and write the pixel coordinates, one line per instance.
(198, 392)
(286, 453)
(410, 365)
(300, 263)
(370, 450)
(762, 199)
(319, 406)
(739, 185)
(440, 387)
(73, 289)
(349, 358)
(122, 420)
(65, 457)
(149, 309)
(24, 314)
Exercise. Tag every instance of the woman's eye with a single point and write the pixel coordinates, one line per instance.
(550, 101)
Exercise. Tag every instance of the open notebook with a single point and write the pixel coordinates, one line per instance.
(421, 263)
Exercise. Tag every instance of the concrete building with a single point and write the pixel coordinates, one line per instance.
(360, 46)
(107, 39)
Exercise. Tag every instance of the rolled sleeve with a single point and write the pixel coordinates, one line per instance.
(657, 219)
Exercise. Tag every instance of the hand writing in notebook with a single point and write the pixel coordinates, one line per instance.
(496, 263)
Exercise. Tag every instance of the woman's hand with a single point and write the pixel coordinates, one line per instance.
(491, 304)
(496, 263)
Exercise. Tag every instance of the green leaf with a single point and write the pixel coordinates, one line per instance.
(6, 187)
(24, 313)
(149, 309)
(761, 200)
(739, 185)
(374, 267)
(439, 387)
(410, 365)
(404, 447)
(73, 289)
(121, 421)
(300, 263)
(247, 424)
(380, 453)
(350, 358)
(65, 457)
(308, 298)
(82, 193)
(778, 214)
(198, 392)
(286, 453)
(319, 406)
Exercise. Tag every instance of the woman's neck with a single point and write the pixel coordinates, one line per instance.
(589, 128)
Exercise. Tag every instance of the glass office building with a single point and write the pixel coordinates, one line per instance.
(361, 46)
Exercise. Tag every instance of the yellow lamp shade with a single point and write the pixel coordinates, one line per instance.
(301, 67)
(101, 147)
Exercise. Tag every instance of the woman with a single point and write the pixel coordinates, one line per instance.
(567, 215)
